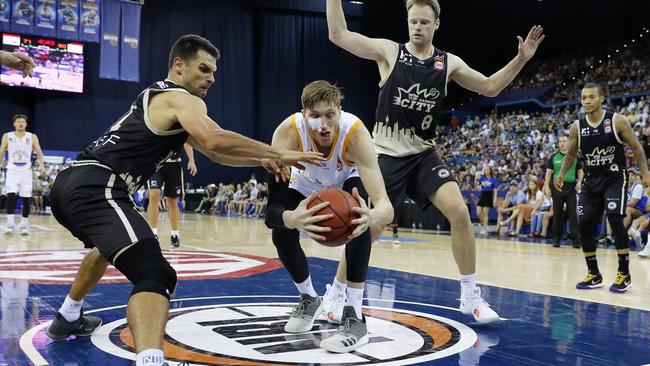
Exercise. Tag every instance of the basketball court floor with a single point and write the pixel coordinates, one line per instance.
(234, 297)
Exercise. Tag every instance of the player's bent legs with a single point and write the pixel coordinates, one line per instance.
(153, 208)
(90, 271)
(449, 201)
(154, 280)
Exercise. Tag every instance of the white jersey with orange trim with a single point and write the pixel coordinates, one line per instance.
(20, 151)
(331, 173)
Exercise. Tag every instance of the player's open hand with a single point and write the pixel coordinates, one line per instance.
(18, 61)
(528, 47)
(279, 170)
(294, 158)
(365, 217)
(304, 219)
(192, 168)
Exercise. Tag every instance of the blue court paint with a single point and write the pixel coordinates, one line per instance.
(221, 324)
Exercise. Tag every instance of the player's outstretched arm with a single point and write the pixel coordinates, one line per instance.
(491, 86)
(369, 48)
(225, 146)
(191, 165)
(361, 151)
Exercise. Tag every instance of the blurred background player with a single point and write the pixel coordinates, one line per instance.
(169, 181)
(19, 179)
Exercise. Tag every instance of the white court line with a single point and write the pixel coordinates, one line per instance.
(27, 339)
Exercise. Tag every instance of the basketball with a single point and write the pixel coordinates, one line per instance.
(341, 204)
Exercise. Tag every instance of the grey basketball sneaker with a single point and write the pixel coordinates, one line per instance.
(303, 315)
(352, 333)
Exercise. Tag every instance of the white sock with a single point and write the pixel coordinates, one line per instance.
(71, 309)
(306, 287)
(10, 220)
(467, 285)
(176, 233)
(354, 299)
(155, 230)
(24, 221)
(150, 357)
(339, 288)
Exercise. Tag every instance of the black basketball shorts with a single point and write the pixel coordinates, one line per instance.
(607, 193)
(169, 178)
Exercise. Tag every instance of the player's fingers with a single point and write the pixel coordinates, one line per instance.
(359, 221)
(317, 208)
(358, 231)
(318, 229)
(317, 218)
(316, 236)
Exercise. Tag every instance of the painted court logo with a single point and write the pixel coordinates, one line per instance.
(60, 266)
(252, 333)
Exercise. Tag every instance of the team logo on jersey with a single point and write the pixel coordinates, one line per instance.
(612, 206)
(415, 98)
(579, 209)
(60, 266)
(443, 173)
(252, 333)
(608, 125)
(439, 63)
(601, 156)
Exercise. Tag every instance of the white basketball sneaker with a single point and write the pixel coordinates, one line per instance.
(645, 253)
(475, 305)
(24, 229)
(333, 304)
(9, 229)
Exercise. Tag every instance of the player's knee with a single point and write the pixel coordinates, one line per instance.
(144, 265)
(458, 215)
(154, 194)
(285, 237)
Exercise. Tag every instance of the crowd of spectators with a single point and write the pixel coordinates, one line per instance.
(617, 68)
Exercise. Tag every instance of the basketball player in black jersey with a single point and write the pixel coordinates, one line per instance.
(17, 61)
(92, 198)
(413, 81)
(601, 137)
(168, 180)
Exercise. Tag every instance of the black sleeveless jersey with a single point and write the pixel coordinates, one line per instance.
(132, 147)
(602, 149)
(410, 103)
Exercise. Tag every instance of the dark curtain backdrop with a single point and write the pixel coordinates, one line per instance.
(269, 49)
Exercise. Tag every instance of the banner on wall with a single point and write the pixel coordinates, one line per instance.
(130, 43)
(90, 18)
(45, 19)
(22, 18)
(109, 63)
(5, 15)
(68, 20)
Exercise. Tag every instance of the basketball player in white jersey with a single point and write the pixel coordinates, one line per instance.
(17, 61)
(413, 84)
(19, 177)
(351, 164)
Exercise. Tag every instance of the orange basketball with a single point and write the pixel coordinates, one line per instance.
(341, 204)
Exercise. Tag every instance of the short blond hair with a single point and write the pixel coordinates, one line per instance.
(434, 4)
(318, 91)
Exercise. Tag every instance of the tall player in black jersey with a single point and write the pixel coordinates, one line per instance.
(413, 82)
(92, 197)
(601, 137)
